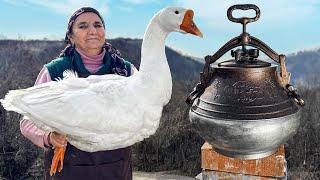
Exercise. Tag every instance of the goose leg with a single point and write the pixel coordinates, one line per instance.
(57, 160)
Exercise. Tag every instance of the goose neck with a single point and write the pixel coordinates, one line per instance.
(153, 47)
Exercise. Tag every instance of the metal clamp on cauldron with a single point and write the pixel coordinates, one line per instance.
(244, 107)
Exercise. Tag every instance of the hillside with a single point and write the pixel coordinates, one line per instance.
(304, 63)
(175, 146)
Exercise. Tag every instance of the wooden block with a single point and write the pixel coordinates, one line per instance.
(271, 166)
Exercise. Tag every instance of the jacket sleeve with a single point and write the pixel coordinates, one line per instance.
(27, 127)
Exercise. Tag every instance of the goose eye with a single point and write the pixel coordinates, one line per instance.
(177, 12)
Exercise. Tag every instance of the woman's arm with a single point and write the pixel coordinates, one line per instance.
(33, 133)
(27, 127)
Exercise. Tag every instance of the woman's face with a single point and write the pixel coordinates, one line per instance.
(88, 33)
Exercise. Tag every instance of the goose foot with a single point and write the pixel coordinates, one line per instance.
(57, 160)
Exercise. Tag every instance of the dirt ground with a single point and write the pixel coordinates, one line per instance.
(164, 175)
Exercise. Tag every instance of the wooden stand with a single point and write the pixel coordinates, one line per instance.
(217, 166)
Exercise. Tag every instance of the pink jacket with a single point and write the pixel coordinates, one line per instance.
(28, 128)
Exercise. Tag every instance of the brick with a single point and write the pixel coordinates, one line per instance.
(271, 166)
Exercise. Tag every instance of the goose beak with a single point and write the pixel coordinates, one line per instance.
(188, 25)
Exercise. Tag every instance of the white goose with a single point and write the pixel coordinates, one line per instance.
(108, 111)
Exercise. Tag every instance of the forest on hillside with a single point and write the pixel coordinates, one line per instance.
(175, 146)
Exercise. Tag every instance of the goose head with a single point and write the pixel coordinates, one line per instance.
(179, 20)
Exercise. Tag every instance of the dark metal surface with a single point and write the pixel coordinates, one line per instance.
(243, 20)
(244, 93)
(232, 63)
(244, 107)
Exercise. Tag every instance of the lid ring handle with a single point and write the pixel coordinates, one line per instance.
(243, 20)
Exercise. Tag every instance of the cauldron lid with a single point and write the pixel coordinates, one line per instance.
(245, 64)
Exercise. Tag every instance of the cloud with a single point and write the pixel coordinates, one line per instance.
(66, 7)
(275, 12)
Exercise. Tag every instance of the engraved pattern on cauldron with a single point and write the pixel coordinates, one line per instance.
(245, 92)
(215, 86)
(270, 86)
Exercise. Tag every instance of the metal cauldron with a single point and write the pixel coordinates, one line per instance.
(245, 107)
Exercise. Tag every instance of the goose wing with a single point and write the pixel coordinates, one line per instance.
(75, 103)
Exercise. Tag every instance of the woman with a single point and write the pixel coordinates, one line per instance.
(86, 53)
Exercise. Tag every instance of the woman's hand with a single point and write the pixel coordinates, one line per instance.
(57, 140)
